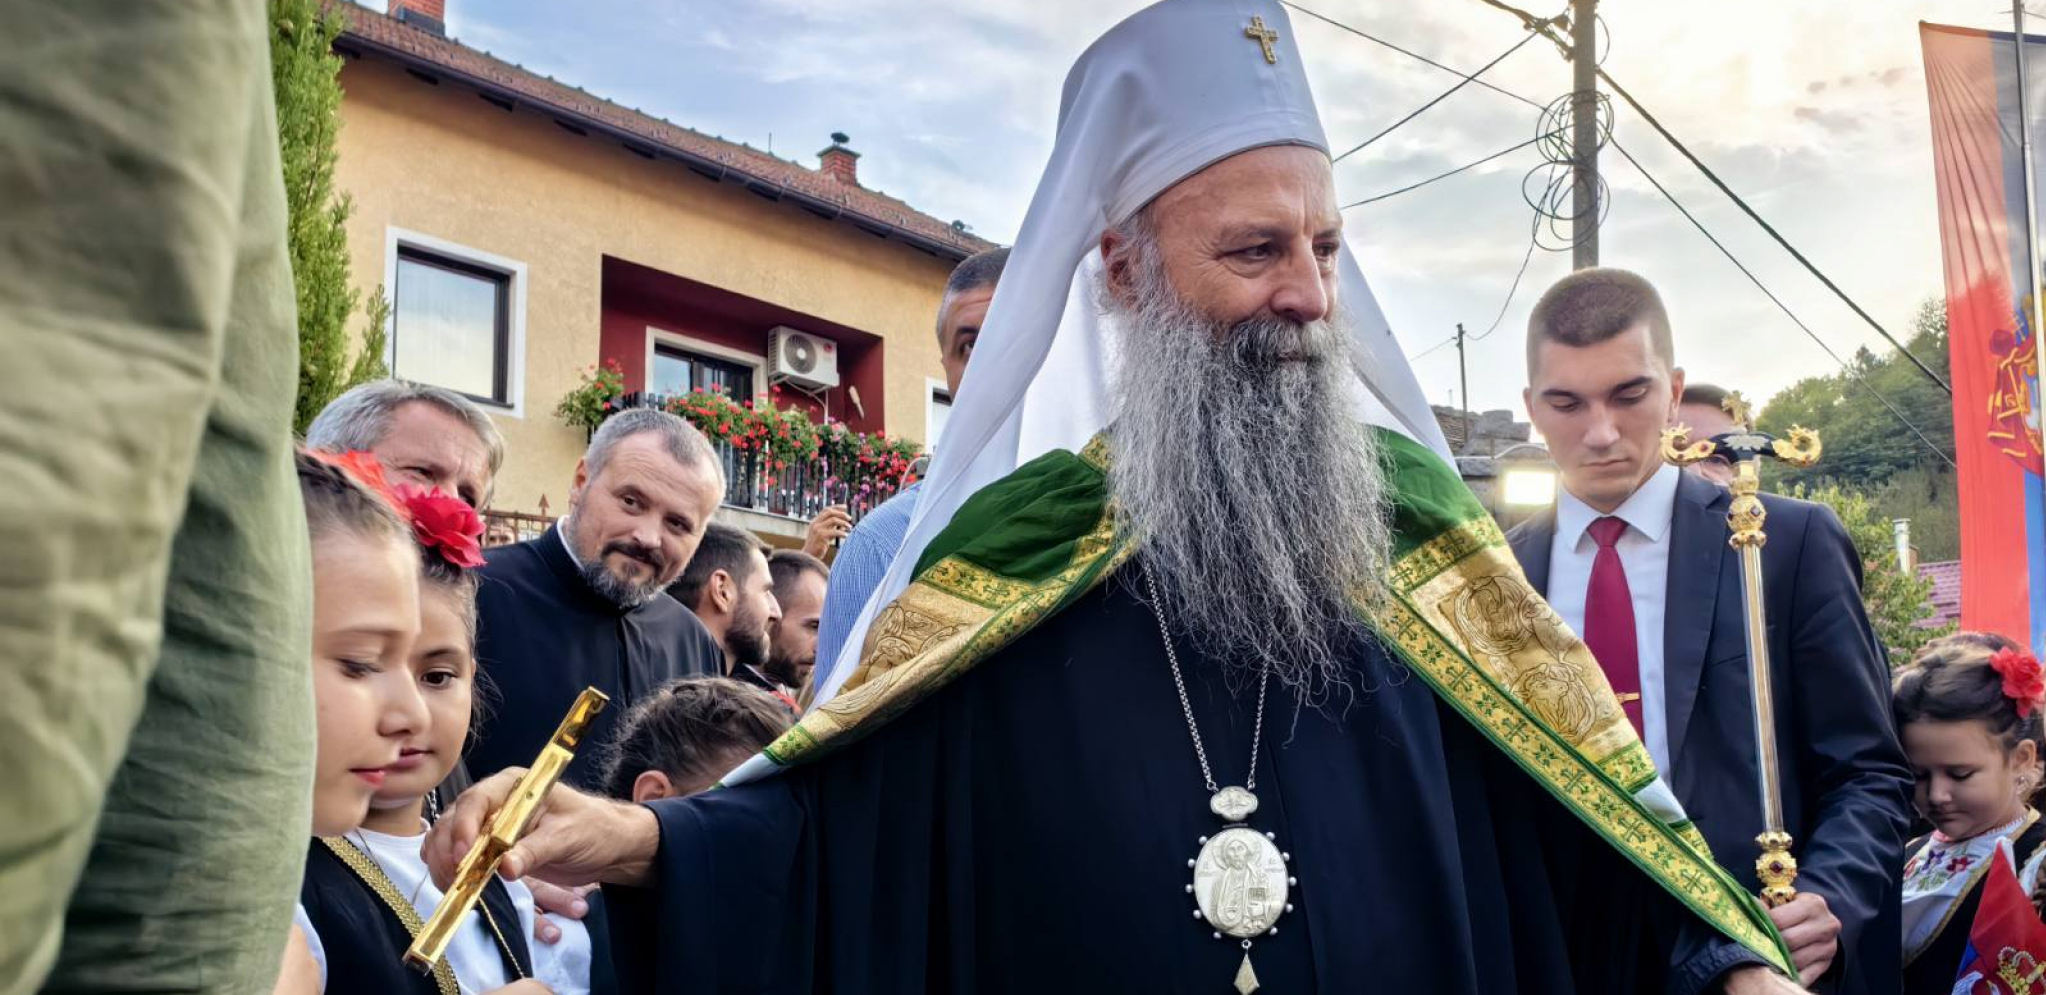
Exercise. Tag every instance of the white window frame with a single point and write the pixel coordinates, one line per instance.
(932, 388)
(514, 405)
(661, 336)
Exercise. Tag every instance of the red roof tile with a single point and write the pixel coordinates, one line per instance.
(1946, 588)
(376, 33)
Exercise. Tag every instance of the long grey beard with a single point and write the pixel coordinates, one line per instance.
(1258, 496)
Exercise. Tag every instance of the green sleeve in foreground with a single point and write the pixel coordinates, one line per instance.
(154, 674)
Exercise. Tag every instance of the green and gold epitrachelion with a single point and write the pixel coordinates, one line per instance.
(1461, 614)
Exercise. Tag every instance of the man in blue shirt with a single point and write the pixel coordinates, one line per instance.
(864, 556)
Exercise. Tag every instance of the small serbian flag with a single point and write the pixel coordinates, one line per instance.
(2006, 952)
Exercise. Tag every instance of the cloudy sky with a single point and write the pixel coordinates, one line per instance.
(1814, 111)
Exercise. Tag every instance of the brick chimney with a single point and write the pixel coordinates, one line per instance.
(837, 161)
(430, 16)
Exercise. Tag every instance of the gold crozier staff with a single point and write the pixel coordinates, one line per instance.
(1746, 447)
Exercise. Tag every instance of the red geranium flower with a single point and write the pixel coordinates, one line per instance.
(2022, 683)
(445, 525)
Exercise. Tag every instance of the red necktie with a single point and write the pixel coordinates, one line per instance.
(1609, 619)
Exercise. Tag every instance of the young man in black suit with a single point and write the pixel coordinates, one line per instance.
(1634, 557)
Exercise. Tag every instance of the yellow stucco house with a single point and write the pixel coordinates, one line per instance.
(525, 230)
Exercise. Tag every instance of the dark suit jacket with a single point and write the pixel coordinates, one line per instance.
(1846, 785)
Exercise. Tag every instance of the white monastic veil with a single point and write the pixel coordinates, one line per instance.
(1176, 87)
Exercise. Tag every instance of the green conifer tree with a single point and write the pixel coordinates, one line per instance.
(306, 74)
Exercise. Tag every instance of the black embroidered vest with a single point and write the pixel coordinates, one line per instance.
(365, 926)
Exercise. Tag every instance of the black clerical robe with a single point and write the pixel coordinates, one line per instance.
(542, 635)
(1029, 826)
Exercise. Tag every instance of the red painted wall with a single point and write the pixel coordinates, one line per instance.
(636, 298)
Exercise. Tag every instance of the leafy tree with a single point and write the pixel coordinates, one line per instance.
(1926, 494)
(1868, 449)
(306, 75)
(1897, 602)
(1865, 442)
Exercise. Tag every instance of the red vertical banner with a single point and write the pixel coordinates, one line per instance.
(1979, 173)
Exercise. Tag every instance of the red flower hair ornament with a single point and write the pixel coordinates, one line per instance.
(2022, 683)
(363, 468)
(446, 525)
(441, 523)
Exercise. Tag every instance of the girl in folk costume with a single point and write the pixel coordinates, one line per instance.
(365, 620)
(367, 892)
(1969, 709)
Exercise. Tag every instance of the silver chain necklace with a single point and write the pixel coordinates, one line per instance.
(1240, 878)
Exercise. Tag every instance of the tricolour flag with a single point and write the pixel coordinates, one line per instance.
(1994, 350)
(2006, 952)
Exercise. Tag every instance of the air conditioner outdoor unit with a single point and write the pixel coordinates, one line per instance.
(801, 359)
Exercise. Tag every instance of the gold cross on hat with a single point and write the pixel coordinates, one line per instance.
(1264, 37)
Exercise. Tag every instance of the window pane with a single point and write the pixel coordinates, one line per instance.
(672, 371)
(445, 326)
(736, 380)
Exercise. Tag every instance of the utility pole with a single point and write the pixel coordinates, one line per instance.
(1463, 386)
(2031, 285)
(1584, 209)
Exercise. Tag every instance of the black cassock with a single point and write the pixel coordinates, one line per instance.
(542, 635)
(1028, 829)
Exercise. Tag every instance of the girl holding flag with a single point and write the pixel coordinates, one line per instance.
(1969, 710)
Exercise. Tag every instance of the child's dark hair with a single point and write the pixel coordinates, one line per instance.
(1950, 680)
(687, 727)
(338, 504)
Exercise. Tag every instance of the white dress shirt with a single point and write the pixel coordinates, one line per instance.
(1644, 554)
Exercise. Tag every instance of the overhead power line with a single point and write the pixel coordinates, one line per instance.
(1443, 176)
(1533, 239)
(1409, 53)
(1445, 95)
(1431, 348)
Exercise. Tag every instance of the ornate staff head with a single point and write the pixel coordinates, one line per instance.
(1746, 448)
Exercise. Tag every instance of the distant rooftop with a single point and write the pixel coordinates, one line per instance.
(1946, 591)
(832, 192)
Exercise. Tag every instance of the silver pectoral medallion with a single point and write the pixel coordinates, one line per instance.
(1241, 879)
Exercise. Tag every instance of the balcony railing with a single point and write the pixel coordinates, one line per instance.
(798, 488)
(501, 528)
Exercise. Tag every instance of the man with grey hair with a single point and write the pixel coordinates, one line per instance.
(585, 605)
(428, 435)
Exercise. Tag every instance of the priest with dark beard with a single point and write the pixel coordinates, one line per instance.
(1199, 667)
(584, 605)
